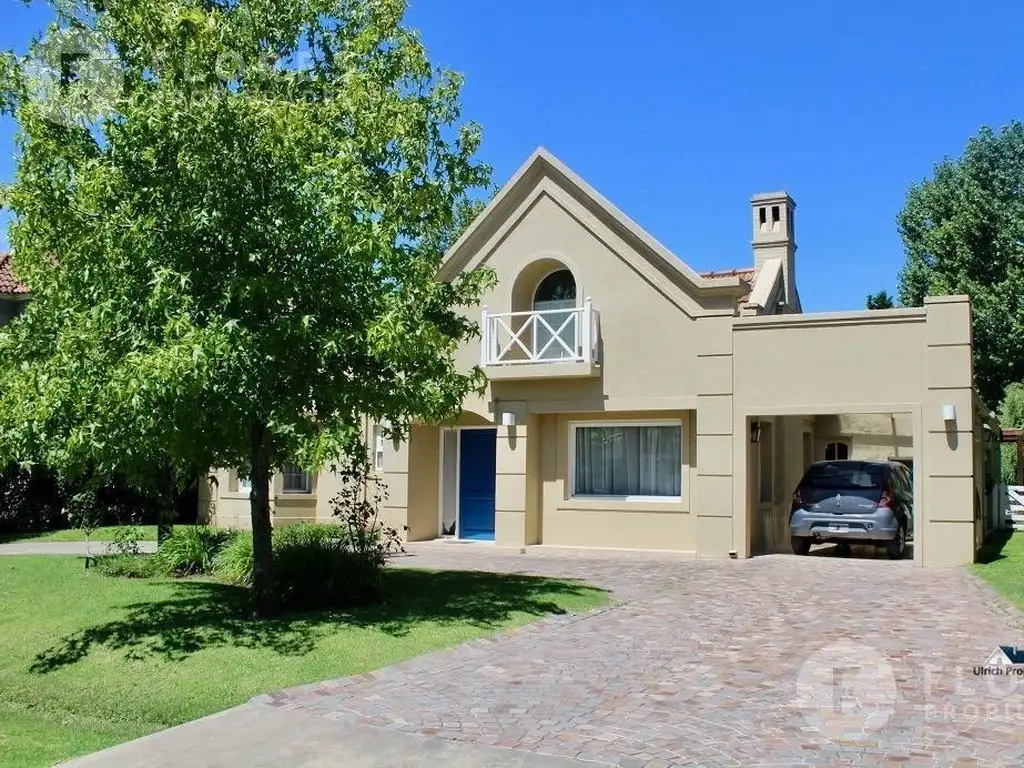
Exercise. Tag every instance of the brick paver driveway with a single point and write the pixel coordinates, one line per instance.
(778, 660)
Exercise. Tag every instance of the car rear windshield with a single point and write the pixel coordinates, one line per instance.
(845, 476)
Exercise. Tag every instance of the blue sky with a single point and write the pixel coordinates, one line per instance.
(679, 110)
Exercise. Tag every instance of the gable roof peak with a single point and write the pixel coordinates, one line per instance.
(542, 162)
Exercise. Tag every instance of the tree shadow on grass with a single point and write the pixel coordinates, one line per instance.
(992, 549)
(205, 614)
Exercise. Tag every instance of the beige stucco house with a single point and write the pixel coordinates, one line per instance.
(636, 403)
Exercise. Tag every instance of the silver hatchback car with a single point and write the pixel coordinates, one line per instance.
(850, 501)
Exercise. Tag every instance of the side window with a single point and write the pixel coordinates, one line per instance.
(837, 451)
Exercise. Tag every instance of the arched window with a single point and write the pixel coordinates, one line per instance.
(559, 286)
(837, 451)
(556, 327)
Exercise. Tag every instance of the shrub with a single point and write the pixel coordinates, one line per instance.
(127, 566)
(324, 565)
(126, 540)
(191, 550)
(233, 563)
(304, 555)
(312, 567)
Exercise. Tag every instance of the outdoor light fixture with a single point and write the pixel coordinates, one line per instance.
(755, 431)
(949, 412)
(508, 419)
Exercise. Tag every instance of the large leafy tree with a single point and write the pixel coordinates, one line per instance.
(963, 231)
(233, 253)
(1011, 414)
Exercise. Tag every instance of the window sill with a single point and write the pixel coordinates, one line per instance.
(629, 499)
(295, 498)
(626, 504)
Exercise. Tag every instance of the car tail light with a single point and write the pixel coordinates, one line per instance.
(886, 500)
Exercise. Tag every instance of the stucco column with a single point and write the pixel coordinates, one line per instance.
(510, 490)
(948, 523)
(395, 477)
(713, 498)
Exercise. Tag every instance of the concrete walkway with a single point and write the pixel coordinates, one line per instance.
(774, 661)
(247, 736)
(29, 547)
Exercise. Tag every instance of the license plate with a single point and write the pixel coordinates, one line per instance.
(838, 528)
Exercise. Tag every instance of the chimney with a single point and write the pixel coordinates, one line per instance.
(775, 238)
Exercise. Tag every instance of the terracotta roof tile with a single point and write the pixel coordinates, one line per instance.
(745, 274)
(9, 284)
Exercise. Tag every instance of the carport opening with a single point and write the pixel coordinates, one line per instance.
(833, 484)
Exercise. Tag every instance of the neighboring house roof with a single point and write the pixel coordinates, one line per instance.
(9, 284)
(746, 276)
(528, 182)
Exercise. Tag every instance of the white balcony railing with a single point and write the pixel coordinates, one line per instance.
(547, 336)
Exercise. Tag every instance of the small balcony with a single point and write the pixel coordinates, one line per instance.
(541, 344)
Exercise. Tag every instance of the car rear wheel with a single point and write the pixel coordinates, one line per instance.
(897, 548)
(801, 544)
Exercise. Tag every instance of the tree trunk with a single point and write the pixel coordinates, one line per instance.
(259, 508)
(165, 514)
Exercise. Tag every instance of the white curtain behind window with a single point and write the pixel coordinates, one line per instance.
(629, 461)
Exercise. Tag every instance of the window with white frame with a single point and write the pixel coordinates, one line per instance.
(244, 485)
(636, 460)
(378, 447)
(295, 480)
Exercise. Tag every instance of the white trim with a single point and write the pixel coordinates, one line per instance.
(574, 425)
(498, 338)
(307, 491)
(458, 477)
(439, 530)
(379, 446)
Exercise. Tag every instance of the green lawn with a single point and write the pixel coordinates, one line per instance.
(105, 533)
(88, 661)
(1001, 564)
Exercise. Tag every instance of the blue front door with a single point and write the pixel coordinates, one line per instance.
(477, 449)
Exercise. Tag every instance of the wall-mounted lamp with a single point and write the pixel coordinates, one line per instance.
(755, 431)
(508, 419)
(949, 412)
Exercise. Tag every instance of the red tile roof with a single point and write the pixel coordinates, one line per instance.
(8, 283)
(745, 274)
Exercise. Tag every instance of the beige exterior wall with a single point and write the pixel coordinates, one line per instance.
(672, 346)
(229, 508)
(928, 365)
(869, 436)
(582, 522)
(552, 228)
